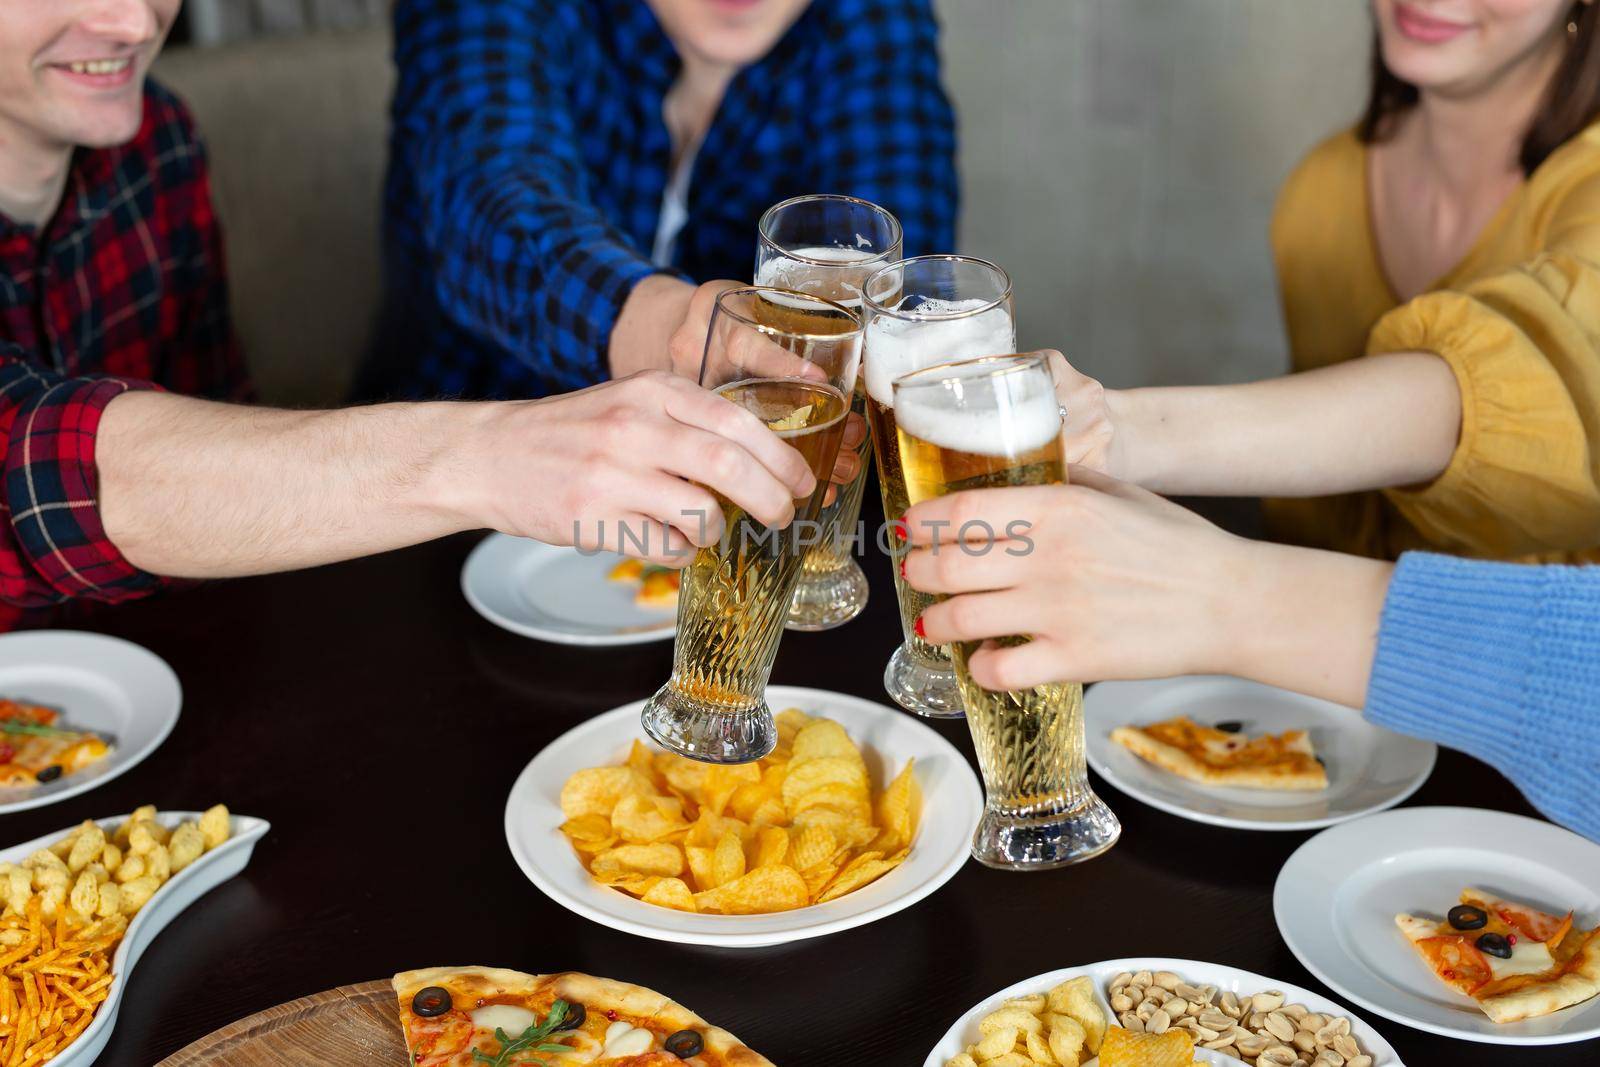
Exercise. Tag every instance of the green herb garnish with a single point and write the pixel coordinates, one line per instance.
(13, 726)
(529, 1041)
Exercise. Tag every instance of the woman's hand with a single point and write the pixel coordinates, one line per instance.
(1115, 582)
(1109, 580)
(1088, 431)
(628, 466)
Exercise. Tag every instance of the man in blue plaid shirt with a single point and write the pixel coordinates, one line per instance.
(564, 171)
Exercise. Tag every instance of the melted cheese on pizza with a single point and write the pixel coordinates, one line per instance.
(1527, 957)
(1217, 748)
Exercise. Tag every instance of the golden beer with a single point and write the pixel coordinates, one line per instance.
(832, 589)
(942, 325)
(735, 595)
(986, 424)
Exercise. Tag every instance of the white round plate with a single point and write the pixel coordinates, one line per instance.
(1337, 897)
(558, 594)
(1369, 768)
(203, 875)
(965, 1031)
(105, 684)
(951, 805)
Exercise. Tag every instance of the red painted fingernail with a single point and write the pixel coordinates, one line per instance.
(901, 530)
(902, 568)
(919, 630)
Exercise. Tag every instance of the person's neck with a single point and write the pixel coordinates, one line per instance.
(32, 178)
(1473, 141)
(691, 104)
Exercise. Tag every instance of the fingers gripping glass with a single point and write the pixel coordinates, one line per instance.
(735, 594)
(828, 246)
(980, 424)
(921, 312)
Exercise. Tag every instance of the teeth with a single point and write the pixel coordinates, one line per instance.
(99, 66)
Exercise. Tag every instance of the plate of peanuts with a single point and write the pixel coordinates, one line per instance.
(1141, 1011)
(80, 907)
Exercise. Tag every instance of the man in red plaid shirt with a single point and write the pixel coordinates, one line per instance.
(113, 302)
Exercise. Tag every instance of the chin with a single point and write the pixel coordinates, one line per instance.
(106, 127)
(1429, 66)
(734, 47)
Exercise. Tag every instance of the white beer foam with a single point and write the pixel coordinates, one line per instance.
(896, 347)
(1022, 416)
(794, 274)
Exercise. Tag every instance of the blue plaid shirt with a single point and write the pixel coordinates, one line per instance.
(529, 157)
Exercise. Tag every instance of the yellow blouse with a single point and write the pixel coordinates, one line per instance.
(1518, 320)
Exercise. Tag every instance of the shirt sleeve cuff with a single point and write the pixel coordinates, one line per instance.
(52, 492)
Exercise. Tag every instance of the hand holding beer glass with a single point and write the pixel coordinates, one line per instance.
(735, 594)
(981, 424)
(922, 312)
(827, 245)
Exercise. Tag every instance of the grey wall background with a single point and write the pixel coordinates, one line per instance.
(1120, 159)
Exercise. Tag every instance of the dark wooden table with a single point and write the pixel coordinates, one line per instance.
(379, 723)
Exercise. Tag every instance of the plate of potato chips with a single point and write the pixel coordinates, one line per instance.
(859, 812)
(1157, 1012)
(77, 909)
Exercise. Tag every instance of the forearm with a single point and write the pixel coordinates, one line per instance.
(1302, 619)
(654, 309)
(195, 489)
(1367, 424)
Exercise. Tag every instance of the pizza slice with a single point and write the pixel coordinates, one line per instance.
(1515, 961)
(490, 1017)
(34, 750)
(1214, 756)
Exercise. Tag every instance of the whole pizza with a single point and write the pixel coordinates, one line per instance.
(490, 1017)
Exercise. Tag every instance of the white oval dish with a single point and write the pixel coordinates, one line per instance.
(1337, 895)
(104, 684)
(558, 594)
(1195, 972)
(1369, 768)
(952, 803)
(182, 889)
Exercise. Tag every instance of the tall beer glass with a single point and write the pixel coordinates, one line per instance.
(980, 424)
(827, 245)
(920, 312)
(735, 594)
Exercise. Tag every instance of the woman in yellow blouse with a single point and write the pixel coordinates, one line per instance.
(1453, 238)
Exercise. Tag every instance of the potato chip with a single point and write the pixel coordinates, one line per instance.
(822, 738)
(810, 845)
(1124, 1048)
(802, 778)
(839, 795)
(1009, 1059)
(771, 845)
(899, 807)
(770, 813)
(596, 790)
(586, 828)
(699, 860)
(1039, 1050)
(790, 721)
(857, 873)
(682, 774)
(765, 889)
(961, 1059)
(671, 893)
(727, 862)
(746, 799)
(720, 783)
(660, 859)
(643, 820)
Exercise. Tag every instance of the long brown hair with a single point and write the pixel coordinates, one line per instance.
(1571, 102)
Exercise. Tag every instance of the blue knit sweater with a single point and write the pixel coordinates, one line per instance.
(1501, 661)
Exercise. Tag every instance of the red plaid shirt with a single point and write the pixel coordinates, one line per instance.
(123, 289)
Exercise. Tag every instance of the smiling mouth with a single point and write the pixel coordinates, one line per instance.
(99, 66)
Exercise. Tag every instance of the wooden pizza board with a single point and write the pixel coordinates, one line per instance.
(351, 1024)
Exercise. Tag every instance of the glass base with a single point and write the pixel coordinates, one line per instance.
(931, 692)
(1045, 843)
(823, 601)
(708, 733)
